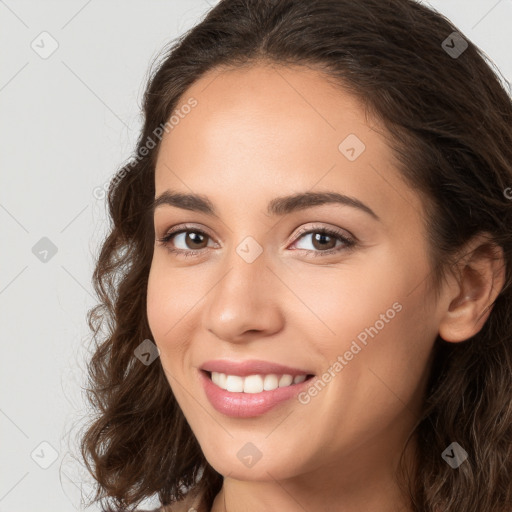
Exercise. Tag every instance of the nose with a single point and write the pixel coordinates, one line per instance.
(246, 301)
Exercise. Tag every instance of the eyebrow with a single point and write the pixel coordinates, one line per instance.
(278, 206)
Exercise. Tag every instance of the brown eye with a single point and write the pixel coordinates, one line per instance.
(195, 240)
(323, 241)
(191, 239)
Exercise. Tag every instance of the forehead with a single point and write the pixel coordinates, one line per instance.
(258, 129)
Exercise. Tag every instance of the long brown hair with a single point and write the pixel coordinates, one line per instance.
(449, 122)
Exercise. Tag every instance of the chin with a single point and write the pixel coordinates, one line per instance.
(238, 464)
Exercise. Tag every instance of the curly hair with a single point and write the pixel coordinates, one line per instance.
(449, 122)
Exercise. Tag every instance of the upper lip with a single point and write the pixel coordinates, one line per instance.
(250, 367)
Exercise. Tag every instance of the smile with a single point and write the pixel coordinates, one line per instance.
(254, 383)
(251, 395)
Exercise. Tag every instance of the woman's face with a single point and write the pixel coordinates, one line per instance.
(262, 282)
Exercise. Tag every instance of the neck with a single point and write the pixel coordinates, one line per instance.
(358, 483)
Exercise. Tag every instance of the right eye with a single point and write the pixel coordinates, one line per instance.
(191, 237)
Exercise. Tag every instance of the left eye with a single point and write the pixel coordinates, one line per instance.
(324, 240)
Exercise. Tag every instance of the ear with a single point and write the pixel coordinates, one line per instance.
(480, 276)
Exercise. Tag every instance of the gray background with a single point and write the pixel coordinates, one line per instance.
(68, 121)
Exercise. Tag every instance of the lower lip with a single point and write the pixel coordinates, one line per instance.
(247, 405)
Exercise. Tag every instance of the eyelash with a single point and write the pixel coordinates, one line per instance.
(349, 243)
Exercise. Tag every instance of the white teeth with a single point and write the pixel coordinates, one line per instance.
(271, 382)
(254, 383)
(285, 380)
(299, 378)
(215, 377)
(234, 383)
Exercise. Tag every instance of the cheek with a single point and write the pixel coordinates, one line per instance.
(373, 315)
(341, 302)
(375, 369)
(172, 298)
(158, 303)
(167, 306)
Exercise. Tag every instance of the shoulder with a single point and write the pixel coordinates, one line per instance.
(175, 507)
(181, 506)
(191, 503)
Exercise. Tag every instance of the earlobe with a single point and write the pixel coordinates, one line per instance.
(481, 277)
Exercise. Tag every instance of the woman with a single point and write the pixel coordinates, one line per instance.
(307, 280)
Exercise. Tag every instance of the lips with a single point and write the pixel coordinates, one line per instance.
(247, 405)
(252, 367)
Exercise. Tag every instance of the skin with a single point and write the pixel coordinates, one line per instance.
(261, 132)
